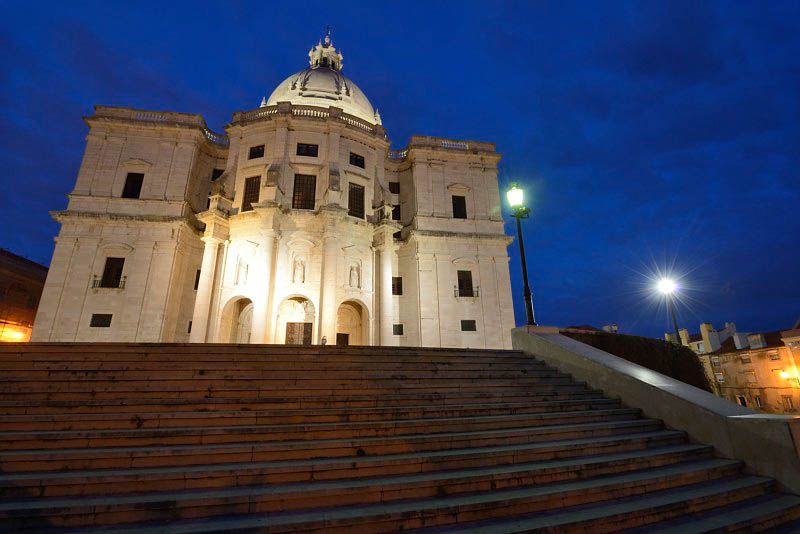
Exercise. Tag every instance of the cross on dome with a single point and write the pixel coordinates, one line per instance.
(324, 54)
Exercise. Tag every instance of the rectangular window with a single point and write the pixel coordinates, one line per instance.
(189, 331)
(357, 160)
(750, 377)
(305, 187)
(305, 149)
(741, 400)
(133, 185)
(256, 152)
(197, 279)
(252, 190)
(216, 173)
(459, 207)
(774, 356)
(465, 284)
(100, 320)
(720, 377)
(788, 403)
(394, 187)
(396, 212)
(397, 285)
(468, 325)
(715, 361)
(757, 399)
(355, 201)
(397, 329)
(112, 272)
(746, 359)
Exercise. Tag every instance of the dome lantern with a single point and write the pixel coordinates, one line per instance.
(325, 54)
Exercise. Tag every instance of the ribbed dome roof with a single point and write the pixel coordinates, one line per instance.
(323, 84)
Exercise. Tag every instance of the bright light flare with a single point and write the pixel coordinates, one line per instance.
(667, 286)
(515, 195)
(784, 374)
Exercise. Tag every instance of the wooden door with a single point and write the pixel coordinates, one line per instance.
(298, 333)
(342, 339)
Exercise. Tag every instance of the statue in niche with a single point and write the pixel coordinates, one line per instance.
(299, 271)
(355, 276)
(241, 272)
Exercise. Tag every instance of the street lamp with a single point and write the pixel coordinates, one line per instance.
(667, 287)
(515, 197)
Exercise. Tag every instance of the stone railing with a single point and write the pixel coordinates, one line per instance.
(398, 154)
(316, 112)
(167, 117)
(423, 141)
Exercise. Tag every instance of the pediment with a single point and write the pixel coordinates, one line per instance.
(116, 246)
(300, 244)
(458, 188)
(465, 261)
(136, 162)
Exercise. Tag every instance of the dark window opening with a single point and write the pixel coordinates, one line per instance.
(197, 279)
(305, 186)
(397, 329)
(397, 235)
(355, 201)
(465, 284)
(397, 285)
(216, 173)
(324, 62)
(256, 152)
(305, 149)
(189, 331)
(100, 320)
(459, 207)
(133, 185)
(394, 187)
(112, 272)
(357, 160)
(396, 212)
(208, 203)
(252, 190)
(468, 325)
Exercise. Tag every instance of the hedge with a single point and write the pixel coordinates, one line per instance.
(667, 358)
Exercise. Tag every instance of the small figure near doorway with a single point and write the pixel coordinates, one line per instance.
(324, 340)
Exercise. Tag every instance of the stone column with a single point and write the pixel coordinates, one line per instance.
(328, 295)
(258, 333)
(202, 301)
(383, 240)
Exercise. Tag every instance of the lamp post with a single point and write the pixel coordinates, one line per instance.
(515, 197)
(667, 287)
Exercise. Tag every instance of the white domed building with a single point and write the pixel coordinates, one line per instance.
(299, 225)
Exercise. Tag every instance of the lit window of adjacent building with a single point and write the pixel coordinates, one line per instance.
(357, 160)
(100, 320)
(216, 173)
(715, 361)
(252, 190)
(112, 272)
(305, 186)
(758, 402)
(468, 325)
(774, 356)
(197, 279)
(133, 185)
(305, 149)
(465, 284)
(355, 201)
(459, 207)
(397, 285)
(394, 187)
(256, 152)
(741, 400)
(396, 212)
(788, 403)
(397, 329)
(720, 377)
(746, 359)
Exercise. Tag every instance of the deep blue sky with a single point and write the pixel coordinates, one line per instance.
(648, 134)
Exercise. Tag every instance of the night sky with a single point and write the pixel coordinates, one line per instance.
(649, 136)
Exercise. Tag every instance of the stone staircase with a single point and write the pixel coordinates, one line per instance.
(213, 438)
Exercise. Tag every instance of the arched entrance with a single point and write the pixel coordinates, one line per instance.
(352, 324)
(236, 322)
(295, 322)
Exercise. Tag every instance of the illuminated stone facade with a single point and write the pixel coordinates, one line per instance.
(21, 283)
(299, 224)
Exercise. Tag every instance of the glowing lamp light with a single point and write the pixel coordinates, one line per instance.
(784, 374)
(515, 196)
(666, 286)
(12, 335)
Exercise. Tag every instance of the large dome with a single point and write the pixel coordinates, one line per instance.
(323, 84)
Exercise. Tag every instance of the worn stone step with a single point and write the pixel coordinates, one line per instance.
(198, 454)
(100, 482)
(210, 403)
(426, 490)
(761, 514)
(345, 430)
(164, 419)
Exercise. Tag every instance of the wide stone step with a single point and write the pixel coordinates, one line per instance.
(495, 461)
(211, 403)
(165, 419)
(283, 432)
(472, 494)
(761, 514)
(258, 451)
